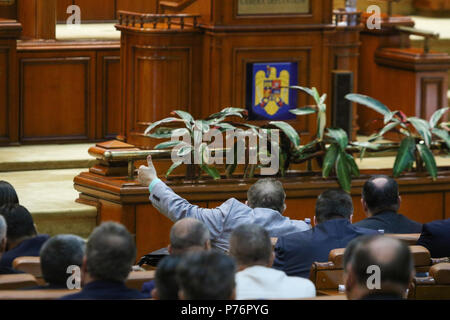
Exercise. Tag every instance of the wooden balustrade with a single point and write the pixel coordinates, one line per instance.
(156, 21)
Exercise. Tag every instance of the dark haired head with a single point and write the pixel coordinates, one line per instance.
(57, 254)
(8, 194)
(19, 221)
(250, 245)
(206, 275)
(165, 278)
(267, 193)
(333, 204)
(380, 193)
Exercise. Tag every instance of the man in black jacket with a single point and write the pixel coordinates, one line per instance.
(381, 201)
(22, 237)
(436, 238)
(296, 252)
(4, 270)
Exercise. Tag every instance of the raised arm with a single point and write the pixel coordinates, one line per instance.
(166, 201)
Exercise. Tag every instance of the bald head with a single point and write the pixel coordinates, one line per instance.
(188, 234)
(391, 255)
(267, 193)
(380, 193)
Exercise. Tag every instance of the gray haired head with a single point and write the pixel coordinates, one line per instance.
(3, 228)
(57, 254)
(110, 252)
(267, 193)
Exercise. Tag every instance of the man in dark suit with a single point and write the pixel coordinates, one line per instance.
(4, 270)
(436, 238)
(22, 237)
(110, 254)
(296, 252)
(381, 201)
(377, 268)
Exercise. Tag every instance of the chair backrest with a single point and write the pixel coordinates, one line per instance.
(434, 287)
(409, 238)
(34, 294)
(137, 278)
(17, 281)
(31, 265)
(328, 275)
(421, 257)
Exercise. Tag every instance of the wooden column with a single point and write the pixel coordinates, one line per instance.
(9, 114)
(38, 18)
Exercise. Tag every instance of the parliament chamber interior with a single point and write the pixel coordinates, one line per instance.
(146, 113)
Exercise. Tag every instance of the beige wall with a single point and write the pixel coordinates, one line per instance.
(404, 7)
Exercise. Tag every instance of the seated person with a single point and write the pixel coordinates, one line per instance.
(3, 227)
(186, 235)
(166, 286)
(296, 252)
(381, 201)
(206, 275)
(435, 237)
(8, 194)
(265, 205)
(109, 257)
(57, 254)
(250, 245)
(22, 236)
(392, 257)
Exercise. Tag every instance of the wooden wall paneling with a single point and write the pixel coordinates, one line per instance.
(433, 93)
(153, 228)
(97, 10)
(9, 131)
(61, 10)
(447, 205)
(57, 96)
(229, 55)
(423, 207)
(38, 18)
(158, 78)
(141, 6)
(9, 12)
(108, 94)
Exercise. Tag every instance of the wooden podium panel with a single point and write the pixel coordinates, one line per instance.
(227, 14)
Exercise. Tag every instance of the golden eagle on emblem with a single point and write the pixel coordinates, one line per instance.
(272, 92)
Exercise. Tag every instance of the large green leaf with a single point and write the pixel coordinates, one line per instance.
(443, 134)
(368, 102)
(304, 89)
(157, 123)
(189, 120)
(321, 124)
(303, 111)
(290, 132)
(330, 159)
(173, 167)
(436, 117)
(343, 172)
(167, 145)
(388, 128)
(213, 172)
(352, 165)
(202, 125)
(423, 128)
(225, 126)
(340, 136)
(405, 156)
(428, 159)
(368, 145)
(184, 150)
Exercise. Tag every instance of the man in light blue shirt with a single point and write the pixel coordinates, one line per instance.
(265, 205)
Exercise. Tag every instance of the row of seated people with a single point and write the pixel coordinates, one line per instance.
(193, 271)
(298, 246)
